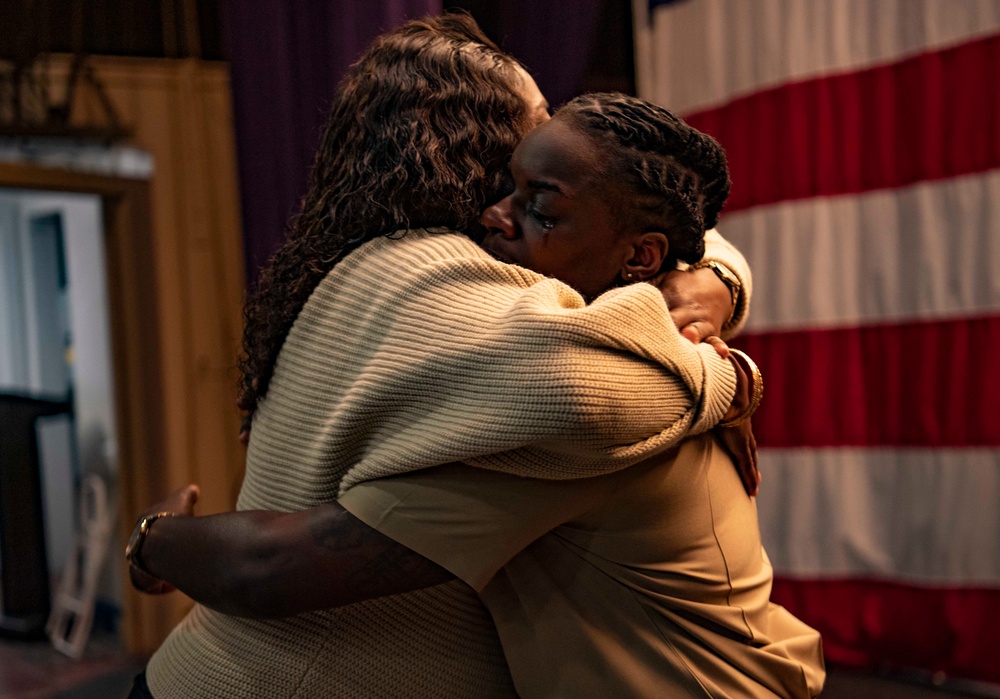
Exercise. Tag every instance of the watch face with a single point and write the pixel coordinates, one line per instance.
(727, 275)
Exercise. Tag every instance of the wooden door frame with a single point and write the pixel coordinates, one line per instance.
(135, 345)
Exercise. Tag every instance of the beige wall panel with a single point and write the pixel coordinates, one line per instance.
(154, 126)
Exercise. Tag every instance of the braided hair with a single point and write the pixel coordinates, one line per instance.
(675, 177)
(419, 135)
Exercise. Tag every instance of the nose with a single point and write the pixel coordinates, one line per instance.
(499, 218)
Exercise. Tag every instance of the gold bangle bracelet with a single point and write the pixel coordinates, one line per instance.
(756, 396)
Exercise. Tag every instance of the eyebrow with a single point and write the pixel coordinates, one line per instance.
(546, 186)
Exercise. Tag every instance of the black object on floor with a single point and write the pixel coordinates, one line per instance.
(24, 573)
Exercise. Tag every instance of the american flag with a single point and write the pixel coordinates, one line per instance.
(864, 144)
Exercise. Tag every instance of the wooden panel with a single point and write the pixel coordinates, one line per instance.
(139, 383)
(181, 114)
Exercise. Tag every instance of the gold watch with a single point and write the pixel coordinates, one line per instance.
(139, 536)
(728, 278)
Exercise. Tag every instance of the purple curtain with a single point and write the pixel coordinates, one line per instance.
(569, 46)
(287, 57)
(554, 40)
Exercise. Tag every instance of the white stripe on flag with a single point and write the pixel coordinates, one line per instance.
(733, 47)
(922, 252)
(924, 516)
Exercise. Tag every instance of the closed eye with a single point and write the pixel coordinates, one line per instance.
(546, 223)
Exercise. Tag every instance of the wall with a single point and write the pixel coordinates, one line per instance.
(179, 112)
(13, 360)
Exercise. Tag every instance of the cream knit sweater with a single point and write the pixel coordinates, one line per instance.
(419, 350)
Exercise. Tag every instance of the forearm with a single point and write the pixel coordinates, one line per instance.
(270, 564)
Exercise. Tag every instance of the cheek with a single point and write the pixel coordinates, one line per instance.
(603, 265)
(590, 271)
(555, 258)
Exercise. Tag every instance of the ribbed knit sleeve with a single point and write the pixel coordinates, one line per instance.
(421, 350)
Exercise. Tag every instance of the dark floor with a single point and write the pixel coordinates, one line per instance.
(36, 671)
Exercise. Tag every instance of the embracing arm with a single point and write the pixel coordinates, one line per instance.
(700, 302)
(704, 307)
(271, 564)
(718, 249)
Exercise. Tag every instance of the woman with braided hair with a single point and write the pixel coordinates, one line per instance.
(648, 582)
(412, 351)
(656, 173)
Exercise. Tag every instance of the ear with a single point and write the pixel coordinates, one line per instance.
(648, 252)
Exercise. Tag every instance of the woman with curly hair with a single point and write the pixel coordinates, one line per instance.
(381, 342)
(647, 581)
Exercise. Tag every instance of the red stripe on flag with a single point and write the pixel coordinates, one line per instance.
(915, 384)
(879, 624)
(931, 116)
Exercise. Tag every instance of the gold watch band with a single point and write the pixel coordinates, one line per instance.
(138, 537)
(728, 278)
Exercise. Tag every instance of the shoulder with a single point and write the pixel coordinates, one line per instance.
(438, 257)
(421, 246)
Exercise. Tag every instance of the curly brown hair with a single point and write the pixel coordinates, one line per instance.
(419, 135)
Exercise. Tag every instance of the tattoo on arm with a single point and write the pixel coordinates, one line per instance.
(330, 531)
(372, 564)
